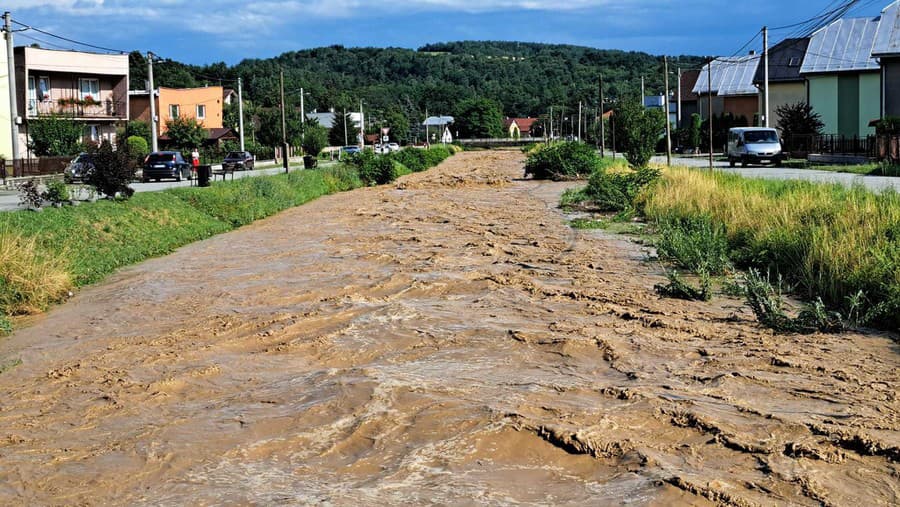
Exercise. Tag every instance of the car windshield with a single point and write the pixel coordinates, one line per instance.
(760, 136)
(160, 157)
(235, 154)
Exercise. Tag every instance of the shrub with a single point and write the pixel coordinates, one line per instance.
(638, 129)
(113, 171)
(315, 139)
(54, 136)
(57, 192)
(137, 149)
(30, 196)
(677, 288)
(616, 191)
(412, 158)
(435, 155)
(562, 161)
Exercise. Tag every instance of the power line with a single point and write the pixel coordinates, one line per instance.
(73, 41)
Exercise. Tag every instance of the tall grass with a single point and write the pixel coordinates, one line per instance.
(828, 241)
(30, 279)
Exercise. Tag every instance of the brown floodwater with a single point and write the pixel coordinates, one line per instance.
(444, 340)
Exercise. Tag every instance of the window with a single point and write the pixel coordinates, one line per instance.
(91, 134)
(90, 89)
(32, 94)
(174, 111)
(44, 88)
(201, 112)
(794, 62)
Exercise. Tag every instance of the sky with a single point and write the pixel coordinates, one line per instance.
(202, 32)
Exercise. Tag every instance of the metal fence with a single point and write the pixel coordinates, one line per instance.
(33, 167)
(802, 145)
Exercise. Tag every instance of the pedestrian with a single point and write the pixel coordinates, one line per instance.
(195, 163)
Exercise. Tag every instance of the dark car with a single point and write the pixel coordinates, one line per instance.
(350, 150)
(165, 164)
(78, 168)
(238, 161)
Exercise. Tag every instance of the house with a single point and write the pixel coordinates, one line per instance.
(90, 88)
(843, 80)
(732, 88)
(436, 127)
(887, 50)
(786, 84)
(659, 102)
(689, 99)
(6, 134)
(229, 96)
(202, 104)
(519, 127)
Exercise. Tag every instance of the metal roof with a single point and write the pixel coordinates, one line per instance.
(437, 121)
(843, 46)
(887, 39)
(785, 61)
(730, 76)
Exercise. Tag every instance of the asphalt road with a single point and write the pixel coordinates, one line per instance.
(9, 199)
(877, 183)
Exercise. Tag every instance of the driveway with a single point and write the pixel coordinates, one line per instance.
(876, 183)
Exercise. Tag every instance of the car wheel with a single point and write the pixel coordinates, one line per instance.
(731, 162)
(744, 162)
(145, 180)
(178, 178)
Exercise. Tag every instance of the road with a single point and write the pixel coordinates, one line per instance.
(9, 199)
(876, 183)
(445, 340)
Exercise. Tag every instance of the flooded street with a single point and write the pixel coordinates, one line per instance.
(444, 340)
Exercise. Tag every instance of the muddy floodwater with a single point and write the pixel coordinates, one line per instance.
(444, 340)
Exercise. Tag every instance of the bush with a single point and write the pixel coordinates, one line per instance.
(54, 136)
(57, 192)
(315, 139)
(637, 131)
(615, 191)
(412, 158)
(562, 161)
(113, 171)
(137, 149)
(30, 196)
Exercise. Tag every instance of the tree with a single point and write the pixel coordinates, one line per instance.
(315, 139)
(695, 131)
(54, 136)
(638, 129)
(113, 170)
(479, 118)
(399, 125)
(138, 128)
(185, 133)
(269, 133)
(337, 131)
(798, 119)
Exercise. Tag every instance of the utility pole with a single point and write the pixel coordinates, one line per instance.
(284, 146)
(551, 123)
(302, 116)
(709, 105)
(668, 121)
(241, 113)
(678, 121)
(345, 127)
(154, 129)
(643, 94)
(13, 103)
(362, 126)
(765, 32)
(579, 120)
(602, 123)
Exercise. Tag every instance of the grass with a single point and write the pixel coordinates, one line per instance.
(587, 223)
(827, 241)
(44, 255)
(871, 169)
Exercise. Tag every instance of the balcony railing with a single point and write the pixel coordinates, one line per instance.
(108, 108)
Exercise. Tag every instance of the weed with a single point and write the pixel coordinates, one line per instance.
(6, 327)
(733, 287)
(767, 304)
(587, 223)
(697, 244)
(57, 192)
(679, 289)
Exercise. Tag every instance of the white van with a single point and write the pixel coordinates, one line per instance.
(753, 145)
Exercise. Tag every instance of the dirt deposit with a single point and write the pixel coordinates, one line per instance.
(444, 340)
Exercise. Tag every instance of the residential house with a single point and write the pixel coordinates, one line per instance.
(732, 87)
(843, 80)
(229, 96)
(436, 128)
(6, 135)
(203, 104)
(519, 127)
(786, 85)
(689, 99)
(659, 102)
(90, 88)
(887, 50)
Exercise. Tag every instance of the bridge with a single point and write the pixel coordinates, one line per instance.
(500, 142)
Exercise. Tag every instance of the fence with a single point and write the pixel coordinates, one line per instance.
(802, 145)
(33, 167)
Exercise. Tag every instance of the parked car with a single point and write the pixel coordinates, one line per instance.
(78, 168)
(753, 145)
(238, 161)
(165, 165)
(393, 146)
(350, 150)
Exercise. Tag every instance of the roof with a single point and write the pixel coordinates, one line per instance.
(843, 46)
(324, 119)
(688, 80)
(887, 38)
(785, 60)
(437, 121)
(222, 133)
(524, 124)
(730, 76)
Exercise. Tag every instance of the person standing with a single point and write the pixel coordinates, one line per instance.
(195, 163)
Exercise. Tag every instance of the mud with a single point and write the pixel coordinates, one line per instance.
(446, 340)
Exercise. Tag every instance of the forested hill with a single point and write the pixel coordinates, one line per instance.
(524, 78)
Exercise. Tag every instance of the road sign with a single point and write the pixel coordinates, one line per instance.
(385, 138)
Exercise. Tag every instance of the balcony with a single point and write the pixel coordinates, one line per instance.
(108, 109)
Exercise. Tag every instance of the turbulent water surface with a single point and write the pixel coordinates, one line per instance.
(445, 340)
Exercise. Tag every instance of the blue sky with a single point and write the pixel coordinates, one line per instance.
(230, 30)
